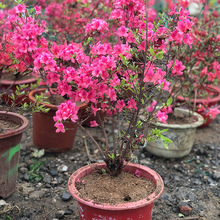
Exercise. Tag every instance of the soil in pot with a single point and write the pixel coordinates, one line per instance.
(179, 118)
(6, 126)
(103, 188)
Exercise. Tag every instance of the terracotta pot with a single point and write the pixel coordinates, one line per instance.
(44, 131)
(213, 101)
(182, 135)
(141, 210)
(9, 87)
(9, 153)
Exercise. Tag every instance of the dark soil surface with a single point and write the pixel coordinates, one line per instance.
(102, 188)
(192, 182)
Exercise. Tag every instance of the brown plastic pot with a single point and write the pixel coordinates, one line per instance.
(9, 153)
(44, 131)
(141, 209)
(8, 87)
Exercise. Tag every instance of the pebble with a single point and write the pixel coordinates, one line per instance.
(53, 172)
(216, 175)
(2, 202)
(23, 170)
(59, 214)
(63, 168)
(36, 194)
(47, 179)
(26, 176)
(185, 210)
(66, 196)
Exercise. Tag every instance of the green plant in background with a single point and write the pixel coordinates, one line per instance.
(34, 173)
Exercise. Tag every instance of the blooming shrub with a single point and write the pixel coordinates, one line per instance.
(116, 69)
(201, 61)
(22, 39)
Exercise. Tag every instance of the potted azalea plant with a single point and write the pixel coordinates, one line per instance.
(123, 80)
(195, 89)
(20, 44)
(193, 74)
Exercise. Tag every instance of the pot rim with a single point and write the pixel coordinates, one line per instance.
(132, 205)
(211, 100)
(195, 124)
(18, 82)
(52, 107)
(17, 131)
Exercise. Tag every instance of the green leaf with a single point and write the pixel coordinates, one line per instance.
(2, 6)
(169, 101)
(152, 52)
(103, 170)
(159, 55)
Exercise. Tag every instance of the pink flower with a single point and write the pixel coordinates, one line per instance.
(122, 31)
(120, 105)
(96, 25)
(37, 9)
(162, 117)
(166, 85)
(94, 109)
(137, 173)
(177, 68)
(131, 104)
(213, 111)
(151, 108)
(93, 124)
(60, 127)
(20, 9)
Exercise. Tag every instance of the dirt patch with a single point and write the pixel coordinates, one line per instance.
(6, 126)
(103, 188)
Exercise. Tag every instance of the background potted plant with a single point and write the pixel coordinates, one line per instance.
(12, 126)
(195, 89)
(21, 41)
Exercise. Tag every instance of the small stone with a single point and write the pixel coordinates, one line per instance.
(176, 178)
(201, 214)
(60, 180)
(23, 170)
(211, 147)
(26, 176)
(63, 168)
(59, 214)
(36, 194)
(53, 172)
(47, 179)
(216, 175)
(185, 210)
(66, 196)
(2, 202)
(197, 182)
